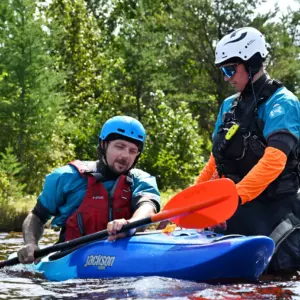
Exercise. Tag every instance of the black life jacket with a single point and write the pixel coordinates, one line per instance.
(239, 143)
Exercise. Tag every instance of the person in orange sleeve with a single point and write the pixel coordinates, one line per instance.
(256, 144)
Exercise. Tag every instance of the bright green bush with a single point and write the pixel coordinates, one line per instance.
(11, 193)
(173, 151)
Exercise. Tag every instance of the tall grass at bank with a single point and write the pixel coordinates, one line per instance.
(14, 205)
(12, 214)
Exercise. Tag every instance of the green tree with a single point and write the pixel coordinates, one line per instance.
(29, 101)
(141, 44)
(10, 189)
(284, 46)
(194, 27)
(80, 54)
(173, 149)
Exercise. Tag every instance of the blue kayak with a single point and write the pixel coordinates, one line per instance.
(182, 254)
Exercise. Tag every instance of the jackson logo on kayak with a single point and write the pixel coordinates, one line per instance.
(101, 261)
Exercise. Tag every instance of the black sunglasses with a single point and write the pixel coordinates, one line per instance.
(229, 70)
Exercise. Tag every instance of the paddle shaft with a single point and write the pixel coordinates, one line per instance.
(76, 242)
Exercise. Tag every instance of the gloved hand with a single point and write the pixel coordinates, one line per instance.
(222, 225)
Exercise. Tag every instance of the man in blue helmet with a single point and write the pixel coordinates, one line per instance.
(88, 196)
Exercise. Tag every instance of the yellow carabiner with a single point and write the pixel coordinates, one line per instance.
(170, 228)
(231, 131)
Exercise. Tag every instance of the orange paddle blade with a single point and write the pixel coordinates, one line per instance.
(203, 205)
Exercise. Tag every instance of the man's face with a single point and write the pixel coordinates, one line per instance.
(239, 76)
(120, 155)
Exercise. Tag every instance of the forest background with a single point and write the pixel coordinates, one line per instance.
(66, 66)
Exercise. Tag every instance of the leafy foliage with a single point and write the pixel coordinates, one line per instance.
(10, 168)
(11, 193)
(173, 149)
(30, 99)
(67, 66)
(284, 42)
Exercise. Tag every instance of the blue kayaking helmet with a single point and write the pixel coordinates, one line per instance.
(124, 127)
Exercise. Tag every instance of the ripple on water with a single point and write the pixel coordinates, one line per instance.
(25, 285)
(128, 288)
(21, 288)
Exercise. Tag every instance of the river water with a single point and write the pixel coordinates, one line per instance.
(17, 283)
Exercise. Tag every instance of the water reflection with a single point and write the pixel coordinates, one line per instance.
(18, 283)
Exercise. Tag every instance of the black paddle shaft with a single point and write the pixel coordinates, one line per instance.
(76, 242)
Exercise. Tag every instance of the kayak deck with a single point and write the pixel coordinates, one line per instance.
(182, 254)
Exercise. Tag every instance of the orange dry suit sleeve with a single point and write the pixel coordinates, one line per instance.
(262, 174)
(209, 172)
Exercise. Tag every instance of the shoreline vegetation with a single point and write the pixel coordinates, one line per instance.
(12, 214)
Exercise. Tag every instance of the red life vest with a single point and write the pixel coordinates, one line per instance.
(98, 207)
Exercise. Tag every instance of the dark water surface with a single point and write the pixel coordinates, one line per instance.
(17, 283)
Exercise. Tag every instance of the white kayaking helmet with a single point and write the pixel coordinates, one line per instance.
(242, 43)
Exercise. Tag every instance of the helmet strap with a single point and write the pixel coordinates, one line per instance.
(135, 161)
(254, 64)
(102, 151)
(252, 87)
